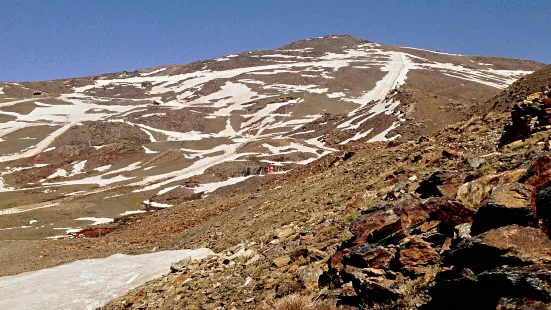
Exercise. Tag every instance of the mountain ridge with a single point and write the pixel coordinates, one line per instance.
(173, 133)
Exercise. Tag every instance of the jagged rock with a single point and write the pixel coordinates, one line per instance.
(335, 261)
(374, 290)
(510, 245)
(179, 266)
(508, 204)
(539, 172)
(418, 253)
(488, 289)
(375, 226)
(370, 256)
(448, 211)
(431, 187)
(411, 213)
(475, 193)
(520, 126)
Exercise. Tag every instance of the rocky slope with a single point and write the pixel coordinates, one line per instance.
(450, 221)
(84, 151)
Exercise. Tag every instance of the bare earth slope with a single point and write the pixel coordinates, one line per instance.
(84, 151)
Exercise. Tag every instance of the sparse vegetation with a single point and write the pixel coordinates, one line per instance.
(300, 302)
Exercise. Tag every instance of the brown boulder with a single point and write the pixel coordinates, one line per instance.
(510, 245)
(448, 211)
(475, 194)
(418, 253)
(411, 213)
(375, 226)
(335, 261)
(539, 172)
(508, 204)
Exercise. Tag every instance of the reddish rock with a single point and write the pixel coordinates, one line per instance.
(368, 256)
(428, 225)
(375, 226)
(510, 245)
(418, 253)
(536, 174)
(508, 204)
(450, 212)
(335, 261)
(411, 213)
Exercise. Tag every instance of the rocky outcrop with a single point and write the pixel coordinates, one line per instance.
(536, 106)
(489, 244)
(508, 204)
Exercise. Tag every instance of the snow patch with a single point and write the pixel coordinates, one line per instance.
(90, 283)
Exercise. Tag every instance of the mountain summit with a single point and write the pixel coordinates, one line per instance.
(157, 137)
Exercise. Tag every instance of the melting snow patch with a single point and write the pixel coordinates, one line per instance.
(78, 168)
(211, 187)
(132, 212)
(103, 168)
(160, 205)
(90, 283)
(153, 72)
(168, 189)
(336, 95)
(58, 173)
(148, 151)
(118, 195)
(96, 220)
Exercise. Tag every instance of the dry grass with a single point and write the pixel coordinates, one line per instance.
(300, 302)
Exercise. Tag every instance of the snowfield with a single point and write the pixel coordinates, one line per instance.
(90, 283)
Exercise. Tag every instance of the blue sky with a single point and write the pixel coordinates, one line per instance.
(42, 40)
